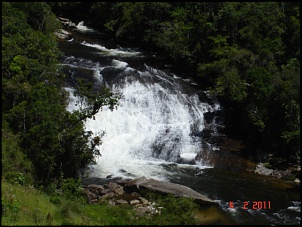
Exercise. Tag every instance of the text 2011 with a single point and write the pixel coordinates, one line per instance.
(257, 205)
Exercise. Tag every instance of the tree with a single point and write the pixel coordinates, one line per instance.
(246, 53)
(220, 46)
(34, 101)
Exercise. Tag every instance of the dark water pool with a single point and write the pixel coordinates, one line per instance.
(243, 198)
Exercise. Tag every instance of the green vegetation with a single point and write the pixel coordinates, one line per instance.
(43, 145)
(245, 53)
(64, 204)
(34, 101)
(25, 205)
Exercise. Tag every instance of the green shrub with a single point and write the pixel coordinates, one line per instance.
(176, 210)
(55, 199)
(13, 158)
(71, 187)
(15, 178)
(11, 208)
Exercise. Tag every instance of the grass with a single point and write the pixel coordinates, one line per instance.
(13, 159)
(24, 205)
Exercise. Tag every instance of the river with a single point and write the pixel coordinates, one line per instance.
(158, 131)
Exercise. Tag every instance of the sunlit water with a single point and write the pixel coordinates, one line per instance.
(152, 133)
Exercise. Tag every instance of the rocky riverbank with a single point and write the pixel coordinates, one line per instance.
(228, 155)
(117, 191)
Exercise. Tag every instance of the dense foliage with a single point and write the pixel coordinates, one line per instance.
(34, 100)
(246, 53)
(27, 206)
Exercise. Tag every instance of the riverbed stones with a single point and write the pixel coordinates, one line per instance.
(62, 34)
(135, 201)
(114, 194)
(126, 191)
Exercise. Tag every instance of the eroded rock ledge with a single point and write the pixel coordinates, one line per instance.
(168, 188)
(126, 191)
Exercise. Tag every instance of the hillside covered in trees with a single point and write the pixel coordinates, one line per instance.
(50, 140)
(245, 53)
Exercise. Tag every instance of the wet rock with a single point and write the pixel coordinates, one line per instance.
(99, 181)
(287, 174)
(62, 34)
(67, 22)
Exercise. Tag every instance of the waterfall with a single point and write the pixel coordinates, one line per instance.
(163, 128)
(154, 124)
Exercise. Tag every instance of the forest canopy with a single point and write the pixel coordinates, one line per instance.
(245, 53)
(34, 100)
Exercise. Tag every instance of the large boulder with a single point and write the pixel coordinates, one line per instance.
(167, 188)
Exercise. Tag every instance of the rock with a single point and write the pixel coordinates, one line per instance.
(117, 192)
(94, 201)
(63, 19)
(105, 191)
(68, 23)
(111, 202)
(99, 181)
(135, 201)
(108, 196)
(121, 201)
(90, 195)
(95, 188)
(115, 188)
(144, 201)
(168, 188)
(62, 34)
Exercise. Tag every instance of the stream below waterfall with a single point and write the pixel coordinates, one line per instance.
(158, 131)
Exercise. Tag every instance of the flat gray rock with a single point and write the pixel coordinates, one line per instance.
(168, 188)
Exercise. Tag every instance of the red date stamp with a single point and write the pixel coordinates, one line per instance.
(255, 205)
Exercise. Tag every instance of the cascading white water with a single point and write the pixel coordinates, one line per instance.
(154, 124)
(159, 123)
(157, 126)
